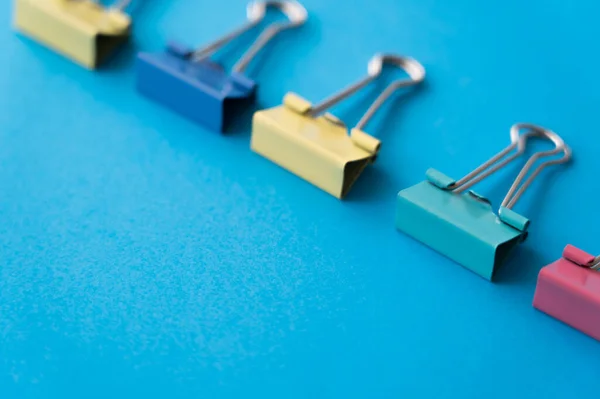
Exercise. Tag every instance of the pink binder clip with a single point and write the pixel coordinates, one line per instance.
(569, 290)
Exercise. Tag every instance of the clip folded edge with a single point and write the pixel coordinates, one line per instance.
(439, 179)
(513, 219)
(87, 36)
(577, 256)
(365, 141)
(296, 103)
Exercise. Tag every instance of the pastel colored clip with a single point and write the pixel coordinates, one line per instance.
(318, 147)
(569, 290)
(461, 224)
(190, 83)
(82, 30)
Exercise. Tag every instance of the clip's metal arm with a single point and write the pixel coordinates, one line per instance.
(211, 48)
(121, 5)
(412, 67)
(296, 15)
(521, 184)
(256, 13)
(596, 263)
(500, 160)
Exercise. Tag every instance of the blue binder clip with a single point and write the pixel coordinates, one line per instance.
(190, 83)
(461, 224)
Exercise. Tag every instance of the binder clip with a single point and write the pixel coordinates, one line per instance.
(461, 224)
(317, 147)
(190, 83)
(569, 290)
(82, 30)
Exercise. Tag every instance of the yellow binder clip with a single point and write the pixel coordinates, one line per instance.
(81, 30)
(319, 148)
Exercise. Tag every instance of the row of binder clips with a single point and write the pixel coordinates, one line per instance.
(303, 138)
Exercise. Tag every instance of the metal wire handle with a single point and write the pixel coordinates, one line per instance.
(412, 67)
(596, 263)
(121, 5)
(256, 12)
(518, 142)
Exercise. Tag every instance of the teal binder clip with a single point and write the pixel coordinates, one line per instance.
(461, 224)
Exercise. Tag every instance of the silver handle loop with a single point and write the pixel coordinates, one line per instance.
(519, 142)
(256, 12)
(412, 67)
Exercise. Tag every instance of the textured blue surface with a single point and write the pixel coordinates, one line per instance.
(143, 255)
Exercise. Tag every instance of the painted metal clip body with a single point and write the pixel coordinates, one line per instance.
(317, 146)
(317, 149)
(199, 90)
(462, 224)
(188, 82)
(463, 227)
(569, 290)
(84, 31)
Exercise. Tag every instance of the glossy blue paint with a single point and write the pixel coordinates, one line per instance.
(143, 256)
(199, 90)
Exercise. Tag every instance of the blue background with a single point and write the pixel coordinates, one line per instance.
(143, 255)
